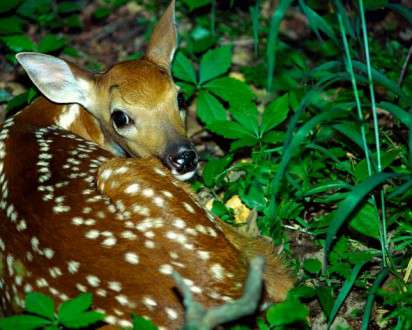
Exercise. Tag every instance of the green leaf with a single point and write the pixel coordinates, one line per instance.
(375, 4)
(215, 63)
(288, 312)
(82, 320)
(19, 43)
(274, 137)
(213, 168)
(40, 304)
(75, 306)
(325, 299)
(312, 265)
(348, 205)
(101, 13)
(247, 116)
(209, 109)
(231, 90)
(187, 89)
(194, 4)
(66, 7)
(183, 68)
(51, 43)
(242, 143)
(22, 322)
(140, 323)
(387, 158)
(275, 113)
(228, 129)
(6, 5)
(11, 25)
(366, 221)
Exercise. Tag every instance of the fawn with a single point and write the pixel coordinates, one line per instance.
(76, 219)
(133, 106)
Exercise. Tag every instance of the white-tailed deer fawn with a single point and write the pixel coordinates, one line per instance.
(75, 219)
(134, 105)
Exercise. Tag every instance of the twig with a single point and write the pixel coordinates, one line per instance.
(405, 67)
(197, 317)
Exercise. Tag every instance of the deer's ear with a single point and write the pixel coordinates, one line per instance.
(163, 41)
(58, 80)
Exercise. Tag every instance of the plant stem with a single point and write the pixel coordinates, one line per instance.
(375, 125)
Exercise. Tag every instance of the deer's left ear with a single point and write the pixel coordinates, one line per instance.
(163, 41)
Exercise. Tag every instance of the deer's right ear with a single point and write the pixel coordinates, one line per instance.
(58, 80)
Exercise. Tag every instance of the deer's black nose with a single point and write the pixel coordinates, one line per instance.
(182, 158)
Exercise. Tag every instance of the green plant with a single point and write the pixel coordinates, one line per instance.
(40, 313)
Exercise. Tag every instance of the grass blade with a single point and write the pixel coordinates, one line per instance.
(277, 17)
(347, 286)
(371, 297)
(349, 204)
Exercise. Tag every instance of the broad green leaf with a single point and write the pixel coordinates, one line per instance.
(194, 4)
(325, 299)
(312, 265)
(209, 109)
(351, 131)
(347, 286)
(34, 8)
(215, 63)
(317, 22)
(288, 312)
(11, 25)
(213, 168)
(274, 137)
(348, 205)
(82, 320)
(387, 158)
(22, 322)
(183, 68)
(19, 43)
(375, 4)
(6, 5)
(275, 113)
(231, 90)
(366, 221)
(66, 7)
(187, 89)
(228, 129)
(75, 306)
(247, 116)
(140, 323)
(40, 304)
(101, 13)
(242, 143)
(51, 43)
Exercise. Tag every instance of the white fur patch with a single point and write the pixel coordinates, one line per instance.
(69, 115)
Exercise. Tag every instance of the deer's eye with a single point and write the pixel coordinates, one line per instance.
(120, 119)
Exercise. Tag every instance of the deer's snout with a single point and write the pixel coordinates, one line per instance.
(182, 159)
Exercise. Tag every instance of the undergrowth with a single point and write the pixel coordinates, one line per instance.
(314, 136)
